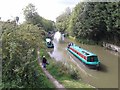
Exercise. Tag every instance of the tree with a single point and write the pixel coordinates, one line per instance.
(34, 18)
(62, 20)
(17, 19)
(96, 21)
(19, 56)
(30, 14)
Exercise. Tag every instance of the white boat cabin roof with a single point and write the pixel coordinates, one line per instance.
(48, 39)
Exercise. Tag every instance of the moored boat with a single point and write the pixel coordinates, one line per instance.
(83, 55)
(49, 43)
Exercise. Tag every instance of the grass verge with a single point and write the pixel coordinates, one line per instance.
(86, 41)
(67, 75)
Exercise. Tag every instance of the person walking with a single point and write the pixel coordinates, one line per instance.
(44, 62)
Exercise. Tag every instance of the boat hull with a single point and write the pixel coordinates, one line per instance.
(50, 46)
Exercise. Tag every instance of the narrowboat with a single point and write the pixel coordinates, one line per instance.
(49, 43)
(83, 55)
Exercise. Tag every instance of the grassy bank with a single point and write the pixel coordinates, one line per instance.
(85, 41)
(105, 44)
(91, 42)
(65, 74)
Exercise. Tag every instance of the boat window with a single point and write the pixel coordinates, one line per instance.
(92, 59)
(49, 43)
(85, 52)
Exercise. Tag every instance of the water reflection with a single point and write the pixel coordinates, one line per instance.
(103, 68)
(57, 36)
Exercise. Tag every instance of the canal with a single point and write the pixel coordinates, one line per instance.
(107, 77)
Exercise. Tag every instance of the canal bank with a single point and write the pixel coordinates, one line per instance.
(108, 46)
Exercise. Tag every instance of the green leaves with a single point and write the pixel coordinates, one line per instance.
(97, 21)
(62, 21)
(19, 52)
(34, 18)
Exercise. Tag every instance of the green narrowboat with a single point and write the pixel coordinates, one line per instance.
(83, 55)
(49, 43)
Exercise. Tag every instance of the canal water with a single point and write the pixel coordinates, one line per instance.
(107, 77)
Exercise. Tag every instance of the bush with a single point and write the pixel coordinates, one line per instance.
(60, 70)
(19, 53)
(74, 75)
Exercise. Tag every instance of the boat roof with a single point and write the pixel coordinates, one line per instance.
(83, 51)
(48, 39)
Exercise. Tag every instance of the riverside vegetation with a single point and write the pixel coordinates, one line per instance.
(20, 68)
(92, 22)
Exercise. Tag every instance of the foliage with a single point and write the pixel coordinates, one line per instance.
(62, 21)
(34, 18)
(96, 21)
(20, 68)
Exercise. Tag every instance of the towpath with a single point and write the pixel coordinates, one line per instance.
(50, 77)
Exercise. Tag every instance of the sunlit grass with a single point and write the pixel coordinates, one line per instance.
(75, 84)
(68, 76)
